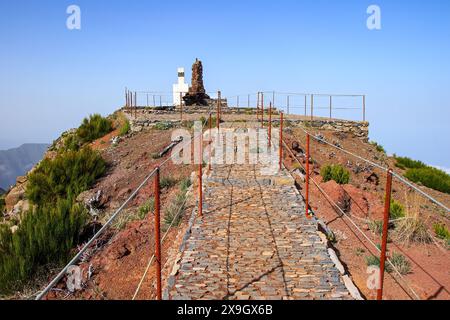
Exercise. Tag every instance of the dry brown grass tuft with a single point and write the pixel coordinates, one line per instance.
(412, 229)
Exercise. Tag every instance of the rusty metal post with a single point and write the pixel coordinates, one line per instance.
(307, 176)
(387, 209)
(331, 105)
(312, 107)
(218, 110)
(200, 177)
(210, 142)
(281, 142)
(270, 124)
(158, 235)
(364, 108)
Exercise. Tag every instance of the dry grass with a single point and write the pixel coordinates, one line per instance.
(412, 229)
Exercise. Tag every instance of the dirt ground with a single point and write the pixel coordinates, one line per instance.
(430, 275)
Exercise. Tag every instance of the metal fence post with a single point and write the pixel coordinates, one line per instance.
(288, 105)
(281, 141)
(135, 105)
(210, 142)
(248, 101)
(218, 110)
(154, 102)
(158, 235)
(331, 105)
(387, 209)
(147, 101)
(364, 108)
(307, 176)
(305, 105)
(200, 177)
(237, 102)
(257, 108)
(270, 124)
(312, 107)
(262, 109)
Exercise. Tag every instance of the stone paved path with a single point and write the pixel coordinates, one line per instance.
(254, 242)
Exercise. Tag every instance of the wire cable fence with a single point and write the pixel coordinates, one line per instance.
(145, 199)
(409, 212)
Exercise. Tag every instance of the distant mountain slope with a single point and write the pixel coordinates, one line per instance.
(16, 162)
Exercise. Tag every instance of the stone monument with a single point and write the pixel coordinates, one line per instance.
(197, 93)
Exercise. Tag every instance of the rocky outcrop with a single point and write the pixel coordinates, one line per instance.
(197, 93)
(16, 194)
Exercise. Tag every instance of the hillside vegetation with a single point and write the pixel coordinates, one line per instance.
(49, 231)
(420, 173)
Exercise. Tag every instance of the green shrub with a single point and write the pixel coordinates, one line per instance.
(397, 210)
(125, 128)
(335, 172)
(93, 128)
(401, 263)
(146, 208)
(45, 235)
(377, 146)
(407, 163)
(430, 177)
(71, 143)
(163, 126)
(67, 175)
(185, 184)
(375, 261)
(167, 182)
(376, 226)
(173, 212)
(442, 232)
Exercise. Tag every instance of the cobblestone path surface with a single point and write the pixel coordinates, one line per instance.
(254, 242)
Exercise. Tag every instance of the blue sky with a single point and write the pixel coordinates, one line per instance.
(52, 77)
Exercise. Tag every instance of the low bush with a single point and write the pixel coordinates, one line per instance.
(162, 126)
(146, 208)
(71, 143)
(335, 172)
(407, 163)
(65, 176)
(124, 128)
(376, 227)
(45, 235)
(378, 147)
(442, 232)
(402, 264)
(93, 128)
(430, 177)
(397, 210)
(167, 182)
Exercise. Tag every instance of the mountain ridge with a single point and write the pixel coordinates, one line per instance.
(18, 161)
